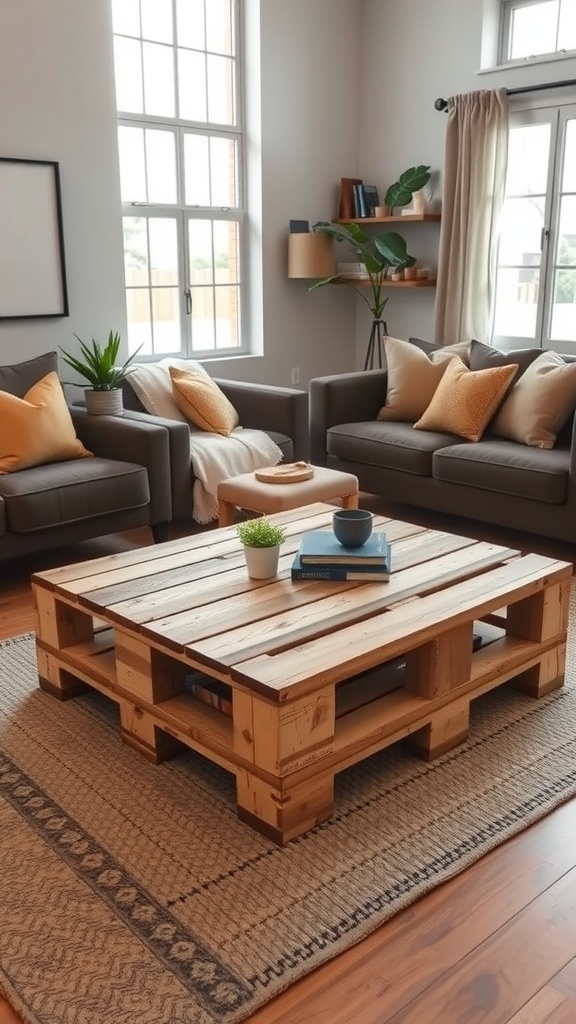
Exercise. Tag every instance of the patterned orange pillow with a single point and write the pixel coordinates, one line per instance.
(203, 402)
(465, 400)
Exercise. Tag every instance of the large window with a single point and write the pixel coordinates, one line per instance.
(535, 301)
(180, 145)
(532, 28)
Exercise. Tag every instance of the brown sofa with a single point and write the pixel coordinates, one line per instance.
(126, 485)
(496, 481)
(281, 412)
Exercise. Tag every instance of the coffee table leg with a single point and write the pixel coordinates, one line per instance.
(448, 728)
(281, 812)
(541, 617)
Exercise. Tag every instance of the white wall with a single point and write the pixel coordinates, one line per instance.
(57, 103)
(413, 53)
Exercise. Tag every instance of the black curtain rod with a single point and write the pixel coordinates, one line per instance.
(441, 104)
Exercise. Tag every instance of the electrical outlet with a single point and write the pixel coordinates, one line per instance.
(295, 375)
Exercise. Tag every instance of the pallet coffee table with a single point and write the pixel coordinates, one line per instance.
(300, 662)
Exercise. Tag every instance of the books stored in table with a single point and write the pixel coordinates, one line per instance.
(337, 572)
(210, 691)
(320, 546)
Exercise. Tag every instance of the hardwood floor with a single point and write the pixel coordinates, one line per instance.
(496, 945)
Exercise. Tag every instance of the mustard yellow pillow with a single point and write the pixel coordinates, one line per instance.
(203, 402)
(37, 428)
(465, 400)
(411, 382)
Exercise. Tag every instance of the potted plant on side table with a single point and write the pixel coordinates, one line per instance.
(261, 540)
(98, 367)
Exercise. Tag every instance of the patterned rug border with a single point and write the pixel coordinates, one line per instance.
(222, 993)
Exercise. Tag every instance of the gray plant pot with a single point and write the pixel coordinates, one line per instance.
(104, 403)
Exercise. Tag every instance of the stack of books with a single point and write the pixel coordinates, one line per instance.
(322, 557)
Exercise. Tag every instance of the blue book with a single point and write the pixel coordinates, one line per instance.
(339, 572)
(318, 547)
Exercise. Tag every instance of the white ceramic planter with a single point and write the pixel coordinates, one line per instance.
(104, 403)
(262, 563)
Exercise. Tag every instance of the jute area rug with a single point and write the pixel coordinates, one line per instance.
(131, 894)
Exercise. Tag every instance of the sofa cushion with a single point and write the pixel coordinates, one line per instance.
(38, 428)
(436, 353)
(152, 385)
(504, 467)
(412, 381)
(389, 445)
(69, 492)
(20, 377)
(466, 400)
(539, 403)
(203, 402)
(483, 357)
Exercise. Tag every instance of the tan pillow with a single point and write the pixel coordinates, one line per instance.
(465, 400)
(460, 348)
(203, 402)
(412, 381)
(539, 403)
(37, 428)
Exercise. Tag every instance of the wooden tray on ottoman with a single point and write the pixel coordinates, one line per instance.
(135, 625)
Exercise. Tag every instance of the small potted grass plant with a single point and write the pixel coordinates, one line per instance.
(261, 540)
(98, 367)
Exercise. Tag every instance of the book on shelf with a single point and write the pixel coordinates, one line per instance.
(360, 205)
(346, 204)
(372, 199)
(210, 691)
(320, 546)
(338, 572)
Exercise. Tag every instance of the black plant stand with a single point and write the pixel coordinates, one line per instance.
(378, 332)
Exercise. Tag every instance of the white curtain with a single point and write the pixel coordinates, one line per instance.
(474, 178)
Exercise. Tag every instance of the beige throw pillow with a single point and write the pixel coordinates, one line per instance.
(203, 402)
(465, 400)
(412, 381)
(539, 403)
(37, 428)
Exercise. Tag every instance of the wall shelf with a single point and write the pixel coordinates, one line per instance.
(362, 282)
(395, 219)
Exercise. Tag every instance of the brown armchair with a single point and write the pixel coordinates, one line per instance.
(125, 485)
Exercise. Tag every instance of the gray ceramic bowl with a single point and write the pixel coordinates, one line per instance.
(352, 526)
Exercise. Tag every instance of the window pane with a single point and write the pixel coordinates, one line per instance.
(161, 166)
(135, 251)
(569, 175)
(202, 324)
(196, 171)
(163, 251)
(226, 264)
(139, 322)
(192, 85)
(516, 299)
(227, 317)
(566, 254)
(158, 79)
(521, 232)
(157, 20)
(132, 165)
(534, 29)
(564, 306)
(166, 319)
(567, 30)
(219, 27)
(126, 17)
(528, 176)
(201, 252)
(221, 108)
(223, 172)
(128, 75)
(190, 22)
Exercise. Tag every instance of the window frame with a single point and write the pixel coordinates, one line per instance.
(183, 212)
(507, 7)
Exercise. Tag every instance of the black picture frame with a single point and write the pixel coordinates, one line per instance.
(32, 259)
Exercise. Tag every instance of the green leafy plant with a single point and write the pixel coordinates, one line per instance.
(376, 252)
(400, 192)
(260, 533)
(98, 365)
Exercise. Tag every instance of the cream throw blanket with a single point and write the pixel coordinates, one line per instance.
(213, 457)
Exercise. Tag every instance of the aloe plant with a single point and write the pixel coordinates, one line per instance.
(98, 366)
(376, 252)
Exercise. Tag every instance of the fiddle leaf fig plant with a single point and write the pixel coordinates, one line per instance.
(410, 181)
(376, 252)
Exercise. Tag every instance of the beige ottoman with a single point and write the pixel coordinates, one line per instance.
(246, 491)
